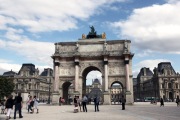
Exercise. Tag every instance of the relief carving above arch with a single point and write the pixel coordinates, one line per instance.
(84, 65)
(117, 79)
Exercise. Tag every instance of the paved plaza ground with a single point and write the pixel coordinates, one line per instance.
(138, 111)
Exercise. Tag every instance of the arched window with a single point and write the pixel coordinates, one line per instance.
(162, 85)
(29, 86)
(16, 86)
(177, 85)
(169, 85)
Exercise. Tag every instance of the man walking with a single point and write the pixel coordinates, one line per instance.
(84, 101)
(96, 103)
(18, 105)
(123, 101)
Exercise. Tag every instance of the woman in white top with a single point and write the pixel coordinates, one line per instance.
(36, 104)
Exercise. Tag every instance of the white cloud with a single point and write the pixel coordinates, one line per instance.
(155, 28)
(46, 15)
(172, 1)
(148, 64)
(8, 65)
(33, 50)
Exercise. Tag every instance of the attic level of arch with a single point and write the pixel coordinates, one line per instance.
(91, 50)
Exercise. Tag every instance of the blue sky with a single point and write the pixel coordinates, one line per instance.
(29, 29)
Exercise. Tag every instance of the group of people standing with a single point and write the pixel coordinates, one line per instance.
(17, 102)
(31, 104)
(78, 103)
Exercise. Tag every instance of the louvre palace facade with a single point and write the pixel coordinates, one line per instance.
(28, 81)
(163, 82)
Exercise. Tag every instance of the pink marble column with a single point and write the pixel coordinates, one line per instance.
(76, 77)
(106, 73)
(56, 77)
(127, 75)
(106, 77)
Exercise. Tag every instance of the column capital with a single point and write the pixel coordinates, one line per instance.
(76, 62)
(126, 61)
(105, 62)
(56, 63)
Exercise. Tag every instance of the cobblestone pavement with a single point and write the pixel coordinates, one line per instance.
(138, 111)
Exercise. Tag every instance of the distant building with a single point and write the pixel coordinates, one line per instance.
(145, 76)
(95, 89)
(28, 81)
(10, 74)
(165, 83)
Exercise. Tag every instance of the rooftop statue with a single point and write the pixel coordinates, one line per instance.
(92, 33)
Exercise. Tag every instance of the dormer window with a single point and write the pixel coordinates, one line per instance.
(27, 73)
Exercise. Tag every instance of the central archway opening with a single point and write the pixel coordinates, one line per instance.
(117, 91)
(92, 83)
(67, 90)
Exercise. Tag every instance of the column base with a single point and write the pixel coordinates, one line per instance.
(129, 98)
(55, 98)
(107, 100)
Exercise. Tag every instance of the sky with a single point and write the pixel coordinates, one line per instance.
(29, 29)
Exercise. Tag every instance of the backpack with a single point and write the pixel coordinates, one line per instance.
(32, 103)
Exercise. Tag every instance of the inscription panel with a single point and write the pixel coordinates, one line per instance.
(90, 48)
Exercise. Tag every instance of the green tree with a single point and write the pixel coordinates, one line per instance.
(6, 86)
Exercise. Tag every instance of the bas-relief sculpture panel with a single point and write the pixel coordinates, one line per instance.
(116, 68)
(66, 69)
(66, 48)
(115, 47)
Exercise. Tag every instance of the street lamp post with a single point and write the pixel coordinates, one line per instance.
(49, 91)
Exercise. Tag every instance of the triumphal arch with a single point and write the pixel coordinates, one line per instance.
(74, 60)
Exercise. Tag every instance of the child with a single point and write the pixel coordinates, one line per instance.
(36, 104)
(2, 108)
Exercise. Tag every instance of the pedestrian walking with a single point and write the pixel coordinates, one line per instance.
(60, 101)
(30, 104)
(96, 103)
(84, 101)
(161, 102)
(79, 103)
(2, 107)
(18, 105)
(123, 101)
(177, 101)
(75, 104)
(27, 102)
(9, 106)
(36, 104)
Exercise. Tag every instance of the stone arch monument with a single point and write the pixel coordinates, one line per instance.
(74, 60)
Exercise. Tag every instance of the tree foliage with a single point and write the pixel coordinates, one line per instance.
(6, 86)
